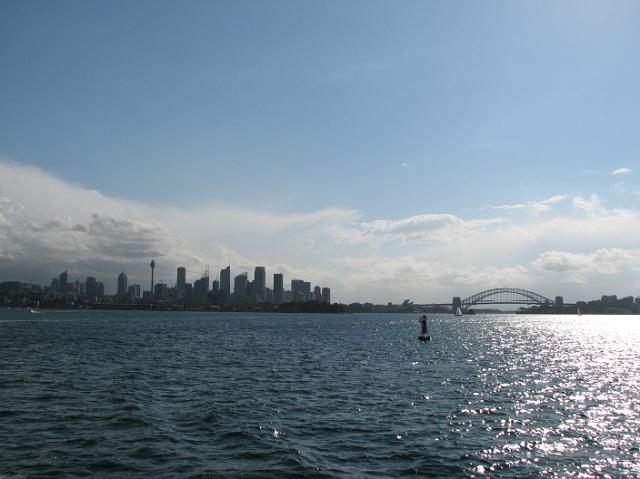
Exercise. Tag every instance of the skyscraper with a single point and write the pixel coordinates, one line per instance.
(326, 295)
(133, 291)
(225, 280)
(161, 292)
(301, 290)
(259, 283)
(317, 294)
(122, 285)
(181, 279)
(91, 289)
(278, 288)
(63, 280)
(240, 284)
(201, 289)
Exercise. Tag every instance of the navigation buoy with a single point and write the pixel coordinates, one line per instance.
(424, 334)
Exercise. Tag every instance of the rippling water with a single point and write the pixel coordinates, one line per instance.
(142, 394)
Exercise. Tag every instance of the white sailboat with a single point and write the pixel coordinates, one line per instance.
(458, 311)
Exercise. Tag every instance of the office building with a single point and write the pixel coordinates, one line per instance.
(181, 280)
(240, 284)
(258, 289)
(201, 289)
(301, 290)
(161, 292)
(91, 289)
(188, 292)
(326, 295)
(122, 285)
(133, 291)
(225, 280)
(317, 294)
(63, 281)
(278, 288)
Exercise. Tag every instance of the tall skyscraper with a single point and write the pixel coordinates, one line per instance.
(259, 283)
(161, 292)
(326, 295)
(122, 284)
(240, 284)
(201, 289)
(301, 290)
(225, 280)
(133, 291)
(181, 280)
(91, 289)
(278, 288)
(317, 294)
(63, 281)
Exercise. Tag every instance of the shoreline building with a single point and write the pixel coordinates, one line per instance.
(259, 284)
(300, 290)
(121, 293)
(133, 292)
(201, 288)
(240, 284)
(181, 280)
(91, 289)
(225, 281)
(278, 288)
(326, 295)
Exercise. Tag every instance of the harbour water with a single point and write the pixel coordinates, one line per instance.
(160, 394)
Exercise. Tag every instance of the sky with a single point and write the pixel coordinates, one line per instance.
(388, 150)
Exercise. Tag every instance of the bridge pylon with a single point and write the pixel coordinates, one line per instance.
(456, 303)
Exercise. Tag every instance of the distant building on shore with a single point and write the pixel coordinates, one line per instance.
(181, 280)
(225, 280)
(278, 288)
(240, 284)
(326, 295)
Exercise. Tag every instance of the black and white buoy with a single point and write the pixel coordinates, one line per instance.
(424, 334)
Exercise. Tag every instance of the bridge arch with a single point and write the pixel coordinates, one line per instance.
(505, 296)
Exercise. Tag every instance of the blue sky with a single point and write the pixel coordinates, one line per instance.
(375, 111)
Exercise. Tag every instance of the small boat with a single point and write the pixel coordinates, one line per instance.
(33, 311)
(458, 311)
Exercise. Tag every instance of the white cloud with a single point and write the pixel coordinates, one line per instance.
(575, 278)
(48, 225)
(591, 205)
(621, 171)
(605, 260)
(412, 230)
(535, 207)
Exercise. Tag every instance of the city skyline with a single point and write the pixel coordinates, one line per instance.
(422, 150)
(182, 291)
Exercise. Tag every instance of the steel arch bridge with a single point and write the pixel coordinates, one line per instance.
(505, 296)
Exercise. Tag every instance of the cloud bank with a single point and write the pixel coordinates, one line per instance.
(48, 225)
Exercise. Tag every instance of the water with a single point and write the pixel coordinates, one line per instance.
(142, 394)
